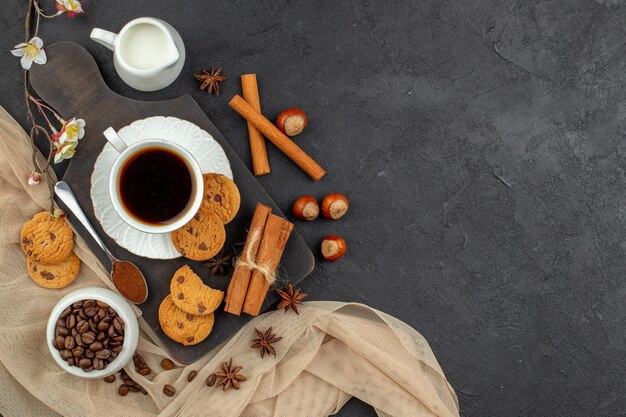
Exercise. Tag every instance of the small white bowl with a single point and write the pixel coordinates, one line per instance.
(121, 307)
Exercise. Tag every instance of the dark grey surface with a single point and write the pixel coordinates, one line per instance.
(481, 146)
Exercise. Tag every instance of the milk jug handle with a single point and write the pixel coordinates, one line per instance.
(104, 37)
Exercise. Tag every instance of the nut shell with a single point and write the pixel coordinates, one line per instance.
(333, 248)
(291, 121)
(335, 206)
(306, 208)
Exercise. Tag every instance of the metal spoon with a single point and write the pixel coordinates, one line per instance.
(63, 191)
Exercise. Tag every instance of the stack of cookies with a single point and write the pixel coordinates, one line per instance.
(204, 236)
(47, 242)
(186, 314)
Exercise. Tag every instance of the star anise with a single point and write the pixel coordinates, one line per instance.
(290, 298)
(229, 376)
(210, 80)
(220, 263)
(264, 342)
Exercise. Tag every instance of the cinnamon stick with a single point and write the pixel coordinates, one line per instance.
(238, 286)
(258, 150)
(282, 142)
(273, 242)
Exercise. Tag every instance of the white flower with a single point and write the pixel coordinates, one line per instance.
(72, 131)
(65, 151)
(72, 7)
(30, 52)
(34, 177)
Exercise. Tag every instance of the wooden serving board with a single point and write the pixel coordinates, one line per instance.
(71, 83)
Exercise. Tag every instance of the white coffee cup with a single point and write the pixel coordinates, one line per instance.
(127, 152)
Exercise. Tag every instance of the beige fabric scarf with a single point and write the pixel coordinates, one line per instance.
(329, 353)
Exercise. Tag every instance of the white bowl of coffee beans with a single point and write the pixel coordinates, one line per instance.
(92, 332)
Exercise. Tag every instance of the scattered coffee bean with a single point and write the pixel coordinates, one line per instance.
(210, 381)
(89, 334)
(143, 390)
(109, 379)
(191, 376)
(133, 388)
(167, 364)
(144, 371)
(169, 390)
(123, 390)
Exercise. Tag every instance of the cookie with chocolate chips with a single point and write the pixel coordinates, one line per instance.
(191, 295)
(182, 327)
(48, 240)
(202, 238)
(54, 276)
(221, 196)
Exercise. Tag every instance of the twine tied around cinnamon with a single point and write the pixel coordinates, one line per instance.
(266, 272)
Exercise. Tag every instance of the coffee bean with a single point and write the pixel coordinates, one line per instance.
(103, 354)
(98, 364)
(84, 363)
(130, 382)
(95, 346)
(109, 379)
(191, 376)
(210, 381)
(59, 342)
(167, 364)
(66, 312)
(118, 323)
(169, 390)
(82, 326)
(89, 337)
(69, 342)
(133, 388)
(143, 390)
(144, 371)
(102, 304)
(123, 390)
(90, 311)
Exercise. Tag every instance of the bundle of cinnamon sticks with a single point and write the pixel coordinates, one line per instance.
(256, 267)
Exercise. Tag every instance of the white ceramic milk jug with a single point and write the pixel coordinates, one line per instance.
(148, 53)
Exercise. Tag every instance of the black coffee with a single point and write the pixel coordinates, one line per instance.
(155, 185)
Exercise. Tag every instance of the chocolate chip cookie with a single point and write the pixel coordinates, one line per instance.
(202, 238)
(54, 276)
(48, 240)
(182, 327)
(191, 295)
(221, 196)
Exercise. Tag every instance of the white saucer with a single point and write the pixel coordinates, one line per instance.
(200, 144)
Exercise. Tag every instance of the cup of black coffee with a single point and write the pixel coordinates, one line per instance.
(155, 185)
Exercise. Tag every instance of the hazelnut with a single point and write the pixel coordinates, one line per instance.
(333, 248)
(306, 208)
(291, 121)
(334, 206)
